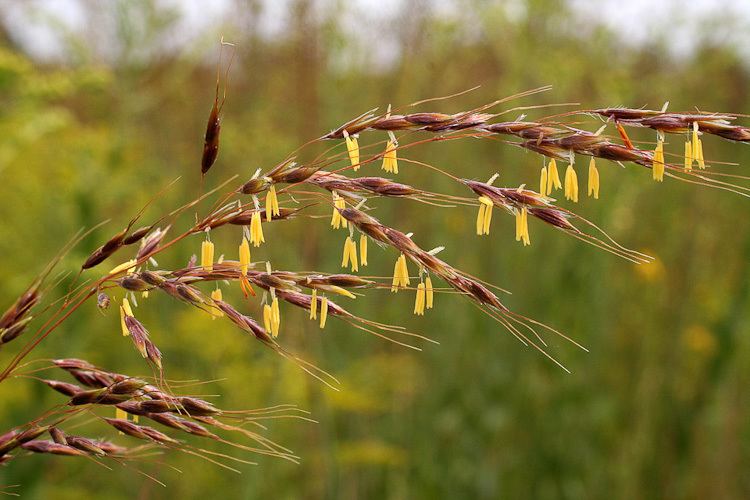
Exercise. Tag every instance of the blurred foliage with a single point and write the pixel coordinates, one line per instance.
(658, 409)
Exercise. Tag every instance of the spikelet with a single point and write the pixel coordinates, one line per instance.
(256, 230)
(571, 184)
(207, 255)
(353, 148)
(244, 251)
(215, 311)
(658, 162)
(593, 185)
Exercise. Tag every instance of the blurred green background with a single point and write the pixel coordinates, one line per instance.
(103, 103)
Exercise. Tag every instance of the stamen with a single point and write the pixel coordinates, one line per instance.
(658, 162)
(121, 415)
(267, 315)
(128, 266)
(522, 226)
(363, 250)
(480, 219)
(543, 182)
(400, 274)
(553, 176)
(275, 317)
(244, 252)
(419, 301)
(314, 304)
(390, 163)
(593, 187)
(353, 148)
(215, 311)
(699, 157)
(571, 184)
(486, 214)
(347, 250)
(256, 230)
(323, 312)
(695, 142)
(350, 254)
(125, 310)
(338, 203)
(207, 255)
(429, 292)
(272, 204)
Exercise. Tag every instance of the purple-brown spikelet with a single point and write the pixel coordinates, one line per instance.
(43, 446)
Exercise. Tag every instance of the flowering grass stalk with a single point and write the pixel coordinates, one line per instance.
(313, 189)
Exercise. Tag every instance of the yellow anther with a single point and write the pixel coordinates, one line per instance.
(593, 187)
(353, 148)
(244, 251)
(215, 311)
(522, 226)
(267, 314)
(571, 184)
(275, 317)
(350, 254)
(314, 304)
(688, 155)
(256, 230)
(272, 204)
(363, 250)
(120, 414)
(543, 181)
(337, 220)
(419, 300)
(390, 163)
(699, 155)
(696, 144)
(342, 291)
(128, 266)
(400, 274)
(484, 216)
(657, 165)
(480, 219)
(207, 255)
(323, 311)
(553, 177)
(429, 293)
(125, 310)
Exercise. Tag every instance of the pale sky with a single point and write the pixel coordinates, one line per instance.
(634, 20)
